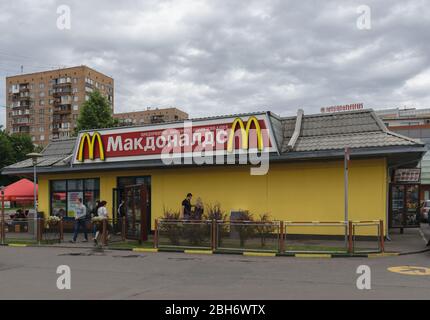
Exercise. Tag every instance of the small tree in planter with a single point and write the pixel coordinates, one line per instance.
(265, 229)
(173, 230)
(214, 212)
(245, 231)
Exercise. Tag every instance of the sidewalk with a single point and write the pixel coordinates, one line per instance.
(412, 240)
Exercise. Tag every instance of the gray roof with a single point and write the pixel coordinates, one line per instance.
(321, 135)
(355, 129)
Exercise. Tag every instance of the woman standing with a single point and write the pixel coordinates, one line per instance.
(102, 213)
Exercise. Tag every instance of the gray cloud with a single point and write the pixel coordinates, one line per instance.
(221, 57)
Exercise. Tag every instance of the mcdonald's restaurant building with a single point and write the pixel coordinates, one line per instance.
(291, 168)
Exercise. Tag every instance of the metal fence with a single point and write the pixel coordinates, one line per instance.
(315, 236)
(271, 236)
(44, 231)
(248, 236)
(19, 230)
(184, 234)
(366, 236)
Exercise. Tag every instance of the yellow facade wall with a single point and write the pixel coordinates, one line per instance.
(301, 191)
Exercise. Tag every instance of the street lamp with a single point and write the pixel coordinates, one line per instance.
(34, 156)
(2, 216)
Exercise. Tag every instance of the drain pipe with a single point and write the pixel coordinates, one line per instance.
(297, 129)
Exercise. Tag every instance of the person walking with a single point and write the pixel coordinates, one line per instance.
(93, 213)
(80, 220)
(101, 212)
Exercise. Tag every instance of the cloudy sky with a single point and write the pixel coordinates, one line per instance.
(222, 56)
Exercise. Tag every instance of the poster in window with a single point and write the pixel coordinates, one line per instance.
(72, 198)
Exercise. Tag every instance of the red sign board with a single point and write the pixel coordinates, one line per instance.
(213, 137)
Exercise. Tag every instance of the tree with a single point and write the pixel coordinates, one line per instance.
(13, 148)
(95, 113)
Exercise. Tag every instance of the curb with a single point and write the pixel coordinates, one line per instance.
(246, 253)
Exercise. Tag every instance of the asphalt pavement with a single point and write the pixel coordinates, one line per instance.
(31, 273)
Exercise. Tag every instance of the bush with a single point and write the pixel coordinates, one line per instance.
(264, 230)
(173, 231)
(215, 212)
(245, 231)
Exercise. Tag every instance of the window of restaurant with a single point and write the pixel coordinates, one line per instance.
(64, 193)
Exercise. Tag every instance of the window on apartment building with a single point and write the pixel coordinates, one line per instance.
(87, 98)
(41, 129)
(41, 102)
(75, 80)
(41, 86)
(42, 137)
(33, 138)
(42, 94)
(75, 99)
(75, 90)
(75, 107)
(51, 101)
(41, 111)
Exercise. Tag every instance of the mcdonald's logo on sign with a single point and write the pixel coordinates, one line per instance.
(90, 141)
(245, 133)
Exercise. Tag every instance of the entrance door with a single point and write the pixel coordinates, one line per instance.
(136, 204)
(404, 206)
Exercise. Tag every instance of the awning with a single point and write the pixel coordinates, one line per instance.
(21, 190)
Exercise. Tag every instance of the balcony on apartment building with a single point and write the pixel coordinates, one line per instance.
(23, 120)
(62, 109)
(157, 119)
(62, 91)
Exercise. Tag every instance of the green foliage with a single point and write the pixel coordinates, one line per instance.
(13, 148)
(245, 231)
(265, 229)
(95, 114)
(173, 231)
(214, 212)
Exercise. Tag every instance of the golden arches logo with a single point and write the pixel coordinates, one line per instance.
(245, 133)
(89, 140)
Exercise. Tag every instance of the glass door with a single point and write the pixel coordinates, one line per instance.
(404, 205)
(397, 205)
(412, 205)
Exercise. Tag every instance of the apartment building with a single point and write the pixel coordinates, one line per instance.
(149, 115)
(46, 104)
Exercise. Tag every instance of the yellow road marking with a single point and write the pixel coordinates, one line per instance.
(145, 250)
(259, 254)
(198, 251)
(385, 254)
(310, 255)
(411, 270)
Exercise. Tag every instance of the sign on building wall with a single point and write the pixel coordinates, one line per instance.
(346, 107)
(213, 137)
(407, 175)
